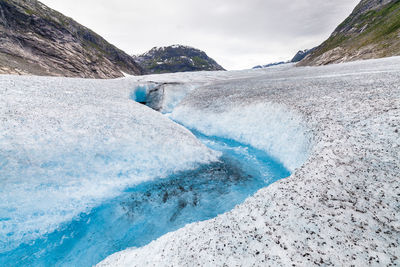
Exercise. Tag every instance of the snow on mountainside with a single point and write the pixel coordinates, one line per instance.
(339, 208)
(176, 58)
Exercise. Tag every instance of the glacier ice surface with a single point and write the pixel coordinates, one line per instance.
(66, 145)
(340, 208)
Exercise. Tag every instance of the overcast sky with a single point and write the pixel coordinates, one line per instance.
(238, 34)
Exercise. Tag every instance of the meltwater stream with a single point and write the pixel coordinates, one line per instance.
(149, 210)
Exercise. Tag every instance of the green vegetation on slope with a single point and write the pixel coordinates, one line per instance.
(373, 34)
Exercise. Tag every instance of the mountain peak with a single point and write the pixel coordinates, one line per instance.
(176, 58)
(302, 54)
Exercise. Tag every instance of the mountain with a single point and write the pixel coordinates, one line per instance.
(35, 39)
(176, 58)
(371, 31)
(302, 54)
(271, 65)
(298, 57)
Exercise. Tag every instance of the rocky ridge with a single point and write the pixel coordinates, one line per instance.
(37, 40)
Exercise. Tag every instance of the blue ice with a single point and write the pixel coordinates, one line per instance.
(152, 209)
(140, 94)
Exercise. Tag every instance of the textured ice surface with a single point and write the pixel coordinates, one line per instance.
(173, 94)
(66, 145)
(340, 208)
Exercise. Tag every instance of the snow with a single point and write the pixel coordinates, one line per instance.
(126, 74)
(340, 207)
(67, 145)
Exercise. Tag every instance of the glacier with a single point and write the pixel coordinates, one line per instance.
(339, 207)
(66, 145)
(83, 157)
(193, 175)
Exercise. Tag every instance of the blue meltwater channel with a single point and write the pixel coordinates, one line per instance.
(149, 210)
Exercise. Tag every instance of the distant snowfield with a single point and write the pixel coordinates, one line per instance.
(340, 207)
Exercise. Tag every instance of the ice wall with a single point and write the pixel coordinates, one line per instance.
(270, 127)
(173, 94)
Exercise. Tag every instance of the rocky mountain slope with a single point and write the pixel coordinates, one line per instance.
(176, 58)
(371, 31)
(35, 39)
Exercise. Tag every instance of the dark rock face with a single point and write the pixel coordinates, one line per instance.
(371, 31)
(176, 58)
(35, 39)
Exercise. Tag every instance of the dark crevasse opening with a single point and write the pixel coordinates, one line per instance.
(149, 210)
